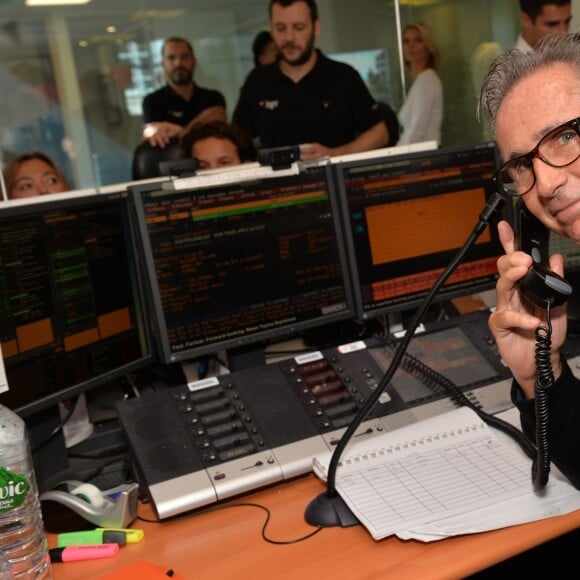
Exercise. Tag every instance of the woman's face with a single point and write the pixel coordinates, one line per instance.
(415, 51)
(36, 177)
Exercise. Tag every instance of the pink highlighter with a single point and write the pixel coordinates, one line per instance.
(77, 553)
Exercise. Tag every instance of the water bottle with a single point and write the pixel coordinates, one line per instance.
(22, 538)
(5, 568)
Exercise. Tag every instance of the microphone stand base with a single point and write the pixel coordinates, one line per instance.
(328, 511)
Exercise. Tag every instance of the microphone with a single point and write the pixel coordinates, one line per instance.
(328, 509)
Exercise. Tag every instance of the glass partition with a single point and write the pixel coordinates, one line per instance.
(73, 77)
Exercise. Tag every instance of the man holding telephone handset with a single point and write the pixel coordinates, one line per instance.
(532, 102)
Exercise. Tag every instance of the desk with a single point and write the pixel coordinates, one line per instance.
(216, 544)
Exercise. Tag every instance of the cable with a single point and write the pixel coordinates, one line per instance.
(544, 381)
(58, 428)
(491, 207)
(433, 379)
(236, 505)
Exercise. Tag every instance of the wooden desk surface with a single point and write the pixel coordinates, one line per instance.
(217, 543)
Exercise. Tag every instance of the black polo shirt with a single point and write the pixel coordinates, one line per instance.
(331, 105)
(165, 104)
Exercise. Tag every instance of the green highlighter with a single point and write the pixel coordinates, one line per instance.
(92, 537)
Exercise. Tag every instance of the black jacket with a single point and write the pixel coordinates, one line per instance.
(564, 422)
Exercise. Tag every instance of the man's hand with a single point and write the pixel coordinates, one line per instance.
(159, 134)
(215, 113)
(311, 151)
(515, 320)
(375, 137)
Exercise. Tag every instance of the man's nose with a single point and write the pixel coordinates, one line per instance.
(288, 36)
(548, 178)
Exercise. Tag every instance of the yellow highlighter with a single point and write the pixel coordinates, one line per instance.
(131, 536)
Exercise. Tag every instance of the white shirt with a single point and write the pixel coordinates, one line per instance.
(421, 115)
(522, 45)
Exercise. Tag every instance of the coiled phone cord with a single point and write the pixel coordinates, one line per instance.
(540, 453)
(436, 381)
(544, 381)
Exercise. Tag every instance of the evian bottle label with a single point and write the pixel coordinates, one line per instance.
(14, 488)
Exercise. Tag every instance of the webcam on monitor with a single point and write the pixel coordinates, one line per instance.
(279, 157)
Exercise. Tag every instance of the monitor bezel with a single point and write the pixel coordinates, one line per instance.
(22, 208)
(444, 293)
(258, 339)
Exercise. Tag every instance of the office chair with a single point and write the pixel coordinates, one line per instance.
(146, 158)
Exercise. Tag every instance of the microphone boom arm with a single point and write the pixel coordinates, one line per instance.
(328, 509)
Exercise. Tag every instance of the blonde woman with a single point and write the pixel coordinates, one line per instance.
(421, 115)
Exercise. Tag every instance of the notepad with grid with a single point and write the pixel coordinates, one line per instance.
(428, 471)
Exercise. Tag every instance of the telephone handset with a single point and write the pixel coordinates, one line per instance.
(545, 289)
(540, 285)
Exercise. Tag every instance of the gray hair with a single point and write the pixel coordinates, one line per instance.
(511, 67)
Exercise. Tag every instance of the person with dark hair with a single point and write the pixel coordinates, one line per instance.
(32, 174)
(306, 98)
(218, 144)
(532, 102)
(541, 17)
(264, 49)
(172, 110)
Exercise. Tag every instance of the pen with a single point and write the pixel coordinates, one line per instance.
(92, 537)
(77, 553)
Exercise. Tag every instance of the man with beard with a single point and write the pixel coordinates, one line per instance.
(306, 98)
(172, 110)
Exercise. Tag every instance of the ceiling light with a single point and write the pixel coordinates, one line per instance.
(55, 2)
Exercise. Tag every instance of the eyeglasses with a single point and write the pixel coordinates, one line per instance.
(558, 148)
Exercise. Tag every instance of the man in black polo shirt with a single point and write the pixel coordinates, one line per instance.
(173, 109)
(305, 98)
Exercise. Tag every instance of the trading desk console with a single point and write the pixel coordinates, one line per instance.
(215, 438)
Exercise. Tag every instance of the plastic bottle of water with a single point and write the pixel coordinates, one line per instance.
(22, 538)
(5, 568)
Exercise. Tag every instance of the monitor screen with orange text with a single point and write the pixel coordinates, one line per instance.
(406, 219)
(239, 262)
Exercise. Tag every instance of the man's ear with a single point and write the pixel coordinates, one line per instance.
(525, 21)
(316, 28)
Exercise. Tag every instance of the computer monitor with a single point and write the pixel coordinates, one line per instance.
(71, 307)
(405, 219)
(243, 257)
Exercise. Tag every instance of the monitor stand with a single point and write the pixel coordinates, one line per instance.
(245, 357)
